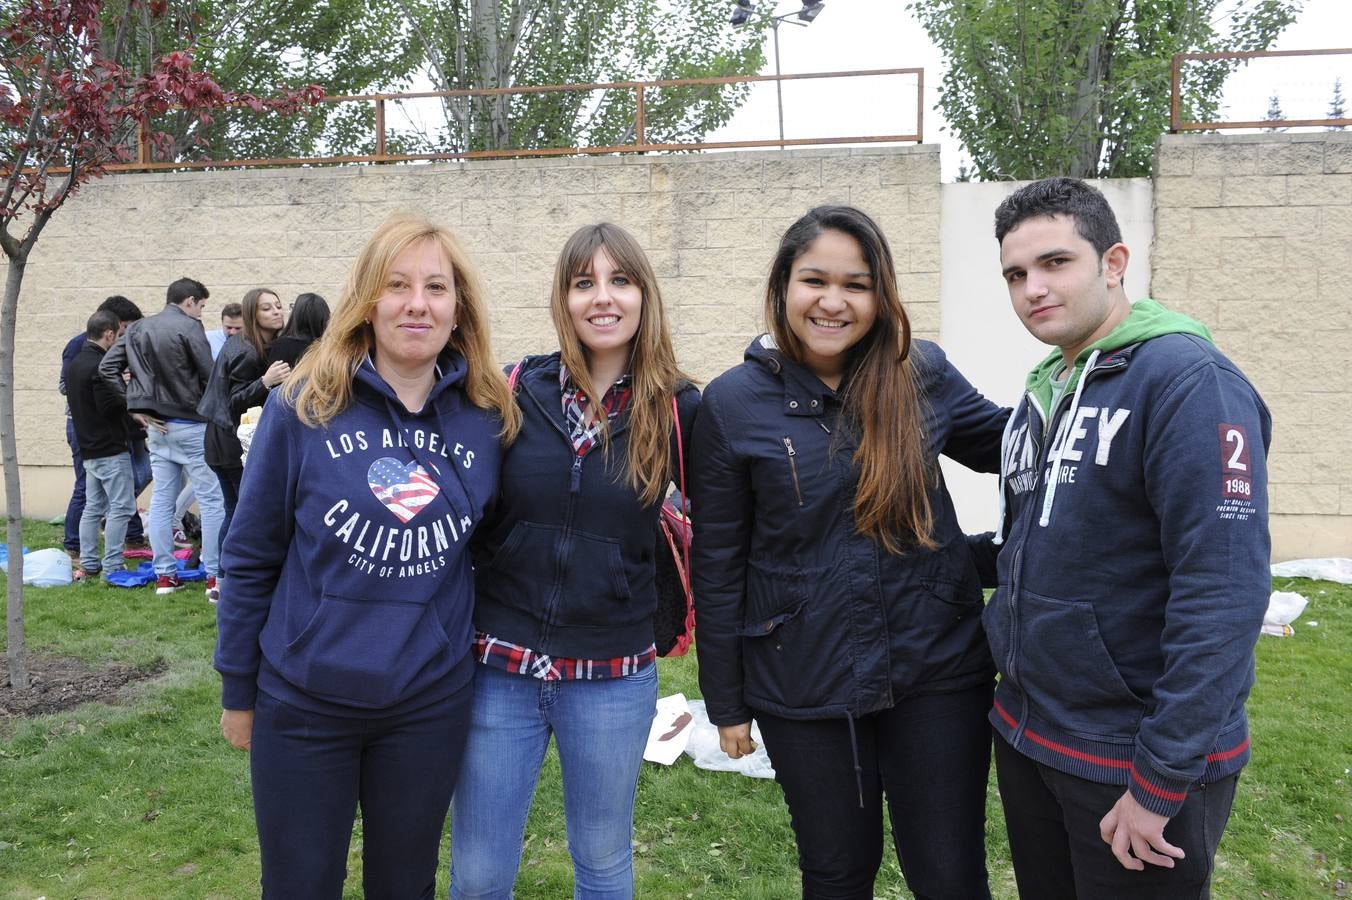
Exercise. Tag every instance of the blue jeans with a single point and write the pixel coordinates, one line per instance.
(928, 755)
(140, 467)
(601, 728)
(182, 448)
(108, 492)
(75, 508)
(310, 771)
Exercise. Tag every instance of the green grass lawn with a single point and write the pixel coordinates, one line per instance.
(144, 798)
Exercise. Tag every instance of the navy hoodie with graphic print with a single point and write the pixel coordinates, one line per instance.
(348, 587)
(1134, 575)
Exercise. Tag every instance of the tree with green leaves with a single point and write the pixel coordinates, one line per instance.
(513, 43)
(1082, 87)
(1274, 112)
(1336, 108)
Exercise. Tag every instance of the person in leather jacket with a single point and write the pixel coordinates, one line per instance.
(836, 597)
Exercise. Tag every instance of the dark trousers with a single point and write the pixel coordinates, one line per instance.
(1053, 823)
(75, 508)
(929, 755)
(230, 479)
(311, 771)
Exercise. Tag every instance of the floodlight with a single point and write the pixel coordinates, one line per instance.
(742, 14)
(811, 9)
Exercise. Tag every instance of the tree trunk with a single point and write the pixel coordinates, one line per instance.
(9, 315)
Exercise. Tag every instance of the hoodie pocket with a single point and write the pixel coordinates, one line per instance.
(1067, 671)
(781, 653)
(362, 652)
(593, 587)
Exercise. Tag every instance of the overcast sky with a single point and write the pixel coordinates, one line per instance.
(881, 34)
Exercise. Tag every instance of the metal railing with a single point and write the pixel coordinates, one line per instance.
(642, 91)
(1176, 122)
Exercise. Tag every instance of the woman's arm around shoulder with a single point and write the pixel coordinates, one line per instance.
(975, 424)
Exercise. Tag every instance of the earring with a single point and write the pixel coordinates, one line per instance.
(455, 326)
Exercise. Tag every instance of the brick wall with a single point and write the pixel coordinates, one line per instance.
(1253, 236)
(709, 223)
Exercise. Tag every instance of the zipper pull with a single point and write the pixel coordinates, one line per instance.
(793, 468)
(575, 482)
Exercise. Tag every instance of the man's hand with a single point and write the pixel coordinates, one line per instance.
(237, 726)
(735, 740)
(148, 422)
(1137, 835)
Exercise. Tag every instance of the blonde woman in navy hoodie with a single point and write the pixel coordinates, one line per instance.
(564, 574)
(344, 629)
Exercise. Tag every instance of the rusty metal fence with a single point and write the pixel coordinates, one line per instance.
(1177, 122)
(364, 122)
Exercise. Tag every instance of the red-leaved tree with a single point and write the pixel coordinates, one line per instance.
(70, 105)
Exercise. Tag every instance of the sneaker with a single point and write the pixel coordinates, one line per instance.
(89, 575)
(213, 593)
(180, 539)
(167, 584)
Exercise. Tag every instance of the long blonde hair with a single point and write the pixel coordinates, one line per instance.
(652, 360)
(320, 387)
(882, 397)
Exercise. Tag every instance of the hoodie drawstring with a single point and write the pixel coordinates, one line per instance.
(1000, 519)
(858, 769)
(1061, 447)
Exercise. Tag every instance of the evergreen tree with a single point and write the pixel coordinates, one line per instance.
(1336, 108)
(1274, 112)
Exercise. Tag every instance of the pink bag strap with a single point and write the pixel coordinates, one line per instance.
(511, 379)
(685, 499)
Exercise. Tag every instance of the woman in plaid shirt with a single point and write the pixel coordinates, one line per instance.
(565, 576)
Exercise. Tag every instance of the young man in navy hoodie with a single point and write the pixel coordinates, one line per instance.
(1133, 575)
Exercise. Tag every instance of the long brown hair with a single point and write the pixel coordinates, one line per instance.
(652, 361)
(254, 335)
(881, 396)
(320, 386)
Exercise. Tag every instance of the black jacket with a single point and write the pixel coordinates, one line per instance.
(170, 362)
(564, 561)
(236, 384)
(799, 615)
(97, 411)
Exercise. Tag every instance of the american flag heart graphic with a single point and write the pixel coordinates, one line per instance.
(404, 488)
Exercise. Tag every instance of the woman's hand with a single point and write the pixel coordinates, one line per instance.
(237, 726)
(735, 740)
(276, 374)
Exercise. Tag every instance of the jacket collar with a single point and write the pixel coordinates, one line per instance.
(804, 393)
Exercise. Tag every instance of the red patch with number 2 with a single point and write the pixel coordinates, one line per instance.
(1236, 475)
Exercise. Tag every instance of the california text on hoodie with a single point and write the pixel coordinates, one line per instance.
(564, 562)
(350, 590)
(798, 613)
(1134, 574)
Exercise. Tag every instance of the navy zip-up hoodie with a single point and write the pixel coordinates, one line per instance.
(564, 562)
(349, 589)
(799, 614)
(1134, 575)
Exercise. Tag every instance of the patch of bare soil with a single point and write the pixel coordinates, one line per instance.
(56, 683)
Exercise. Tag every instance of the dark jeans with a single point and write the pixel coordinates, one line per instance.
(230, 479)
(140, 467)
(929, 755)
(310, 772)
(1053, 823)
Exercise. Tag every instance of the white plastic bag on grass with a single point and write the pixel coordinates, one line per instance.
(47, 568)
(1284, 607)
(704, 750)
(1336, 568)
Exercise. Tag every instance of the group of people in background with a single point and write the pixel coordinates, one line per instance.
(160, 399)
(435, 564)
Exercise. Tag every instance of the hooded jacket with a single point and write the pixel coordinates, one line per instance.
(350, 589)
(798, 613)
(1134, 574)
(564, 563)
(170, 363)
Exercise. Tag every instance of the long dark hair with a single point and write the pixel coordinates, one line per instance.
(309, 317)
(881, 396)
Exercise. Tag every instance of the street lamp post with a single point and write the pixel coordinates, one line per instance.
(802, 17)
